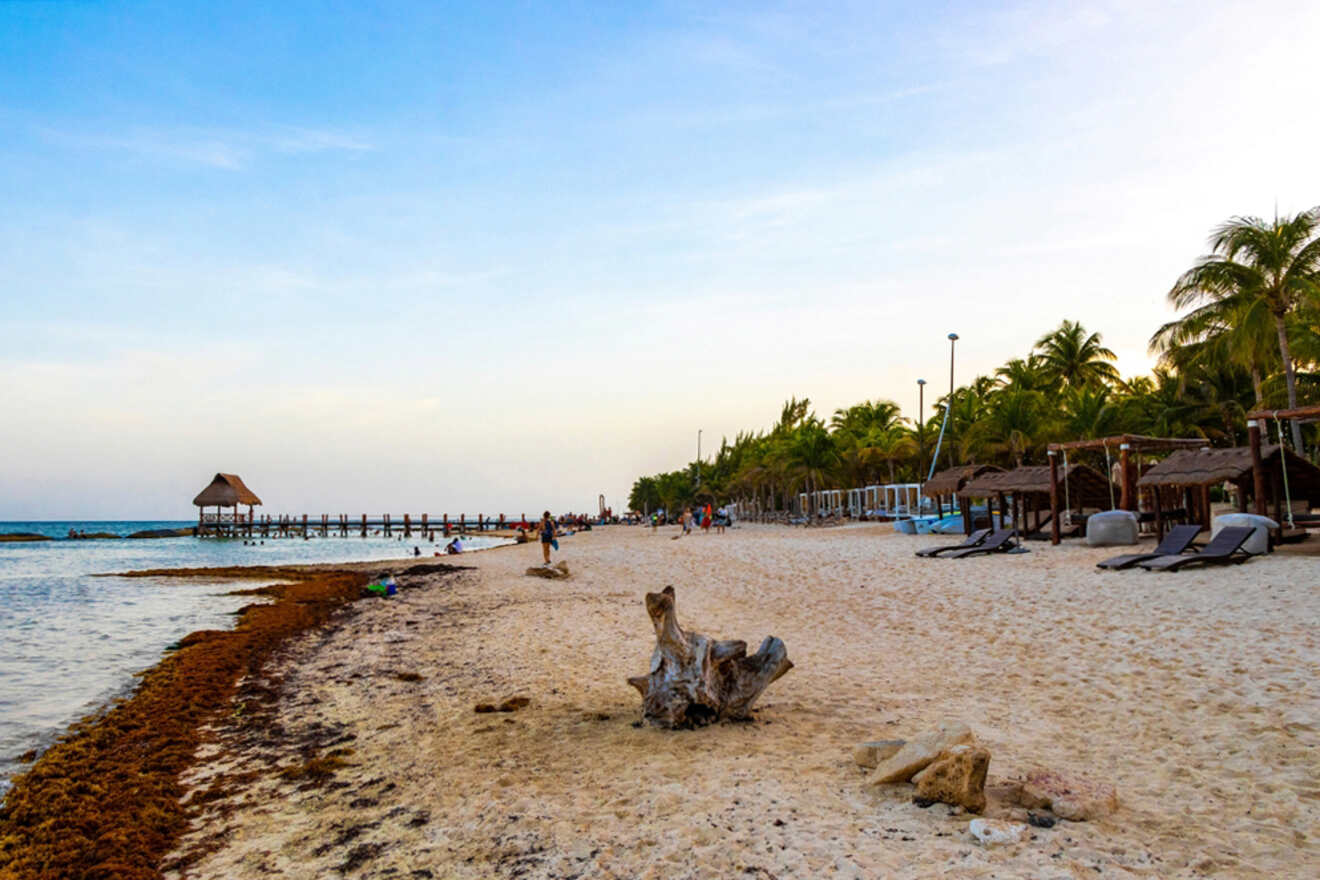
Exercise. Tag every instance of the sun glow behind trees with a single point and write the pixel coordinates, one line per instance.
(1251, 341)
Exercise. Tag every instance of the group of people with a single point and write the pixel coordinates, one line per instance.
(703, 518)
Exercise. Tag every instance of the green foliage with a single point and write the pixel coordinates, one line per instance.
(1250, 338)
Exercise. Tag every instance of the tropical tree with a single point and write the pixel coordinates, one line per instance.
(810, 454)
(1275, 264)
(1070, 355)
(889, 446)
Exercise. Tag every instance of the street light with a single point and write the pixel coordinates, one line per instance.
(953, 338)
(921, 427)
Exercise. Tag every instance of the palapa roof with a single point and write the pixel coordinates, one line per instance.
(1086, 485)
(952, 479)
(226, 490)
(1204, 467)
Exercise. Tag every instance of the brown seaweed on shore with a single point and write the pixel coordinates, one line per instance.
(104, 801)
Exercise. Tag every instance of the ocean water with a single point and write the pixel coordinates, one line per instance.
(70, 642)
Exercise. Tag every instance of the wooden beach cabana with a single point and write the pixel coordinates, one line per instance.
(1129, 448)
(1256, 423)
(1194, 471)
(225, 490)
(948, 482)
(1031, 490)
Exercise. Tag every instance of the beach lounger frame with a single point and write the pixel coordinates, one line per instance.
(1178, 541)
(1224, 548)
(973, 540)
(999, 541)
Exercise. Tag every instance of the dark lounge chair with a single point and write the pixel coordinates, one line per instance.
(999, 541)
(1177, 542)
(973, 540)
(1224, 548)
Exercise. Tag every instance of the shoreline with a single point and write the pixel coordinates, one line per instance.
(105, 795)
(352, 745)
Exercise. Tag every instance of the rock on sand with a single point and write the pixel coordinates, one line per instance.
(918, 753)
(956, 776)
(1068, 797)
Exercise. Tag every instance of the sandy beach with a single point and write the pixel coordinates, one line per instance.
(1194, 694)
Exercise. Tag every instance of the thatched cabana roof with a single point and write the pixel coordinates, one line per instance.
(950, 480)
(226, 490)
(1086, 486)
(1204, 467)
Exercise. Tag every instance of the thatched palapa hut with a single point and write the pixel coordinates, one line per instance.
(226, 490)
(1029, 488)
(1195, 471)
(948, 481)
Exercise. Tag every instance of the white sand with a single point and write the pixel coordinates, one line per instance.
(1194, 693)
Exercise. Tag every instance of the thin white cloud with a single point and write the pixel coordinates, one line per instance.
(220, 148)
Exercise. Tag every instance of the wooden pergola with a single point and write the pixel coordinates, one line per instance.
(949, 481)
(1193, 471)
(225, 490)
(1127, 445)
(1256, 421)
(1031, 488)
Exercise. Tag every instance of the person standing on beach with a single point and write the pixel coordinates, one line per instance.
(547, 535)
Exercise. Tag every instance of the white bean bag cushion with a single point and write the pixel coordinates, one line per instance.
(1259, 542)
(1111, 528)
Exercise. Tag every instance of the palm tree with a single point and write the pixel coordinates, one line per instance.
(889, 445)
(1090, 413)
(1029, 374)
(1219, 333)
(1277, 264)
(1071, 355)
(1014, 424)
(810, 454)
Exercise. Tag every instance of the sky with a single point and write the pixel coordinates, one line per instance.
(506, 257)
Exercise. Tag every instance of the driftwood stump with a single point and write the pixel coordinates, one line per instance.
(695, 680)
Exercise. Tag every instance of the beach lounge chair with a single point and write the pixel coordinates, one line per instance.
(1175, 543)
(1223, 548)
(973, 540)
(999, 541)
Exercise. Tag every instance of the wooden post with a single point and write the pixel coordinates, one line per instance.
(446, 525)
(1205, 506)
(501, 523)
(1054, 496)
(364, 525)
(965, 505)
(1159, 513)
(1241, 497)
(304, 530)
(385, 519)
(999, 498)
(1128, 497)
(462, 523)
(325, 525)
(481, 524)
(426, 529)
(1257, 465)
(1276, 489)
(407, 525)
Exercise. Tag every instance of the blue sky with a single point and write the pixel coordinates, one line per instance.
(506, 256)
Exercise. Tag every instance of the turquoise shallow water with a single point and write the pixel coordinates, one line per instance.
(70, 642)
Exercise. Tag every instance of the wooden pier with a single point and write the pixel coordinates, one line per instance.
(343, 525)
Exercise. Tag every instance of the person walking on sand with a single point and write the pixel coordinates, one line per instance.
(547, 536)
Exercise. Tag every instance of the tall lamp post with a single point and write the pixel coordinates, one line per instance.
(921, 427)
(698, 458)
(953, 338)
